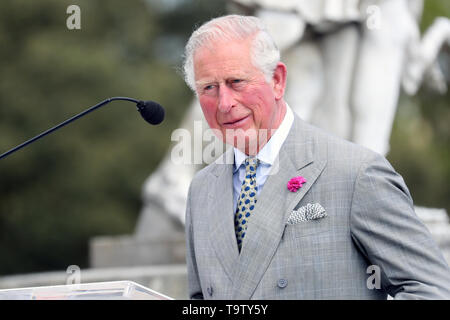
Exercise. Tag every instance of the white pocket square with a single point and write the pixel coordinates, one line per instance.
(312, 211)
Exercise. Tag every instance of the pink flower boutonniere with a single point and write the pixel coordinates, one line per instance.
(295, 183)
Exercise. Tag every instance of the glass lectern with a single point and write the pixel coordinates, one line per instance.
(114, 290)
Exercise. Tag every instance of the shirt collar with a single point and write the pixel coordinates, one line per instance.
(271, 149)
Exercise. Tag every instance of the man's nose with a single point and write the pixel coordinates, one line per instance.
(226, 99)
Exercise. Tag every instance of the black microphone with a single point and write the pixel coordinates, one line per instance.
(151, 111)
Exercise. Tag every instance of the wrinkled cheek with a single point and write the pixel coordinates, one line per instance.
(209, 110)
(262, 103)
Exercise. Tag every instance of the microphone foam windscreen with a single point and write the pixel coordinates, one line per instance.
(151, 111)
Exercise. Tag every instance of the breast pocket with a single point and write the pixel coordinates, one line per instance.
(308, 228)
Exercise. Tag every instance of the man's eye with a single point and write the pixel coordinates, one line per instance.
(208, 87)
(237, 83)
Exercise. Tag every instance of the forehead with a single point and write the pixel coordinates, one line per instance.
(222, 59)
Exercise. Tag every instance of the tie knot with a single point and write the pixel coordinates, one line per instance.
(251, 163)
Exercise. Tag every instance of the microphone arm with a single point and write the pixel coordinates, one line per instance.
(62, 124)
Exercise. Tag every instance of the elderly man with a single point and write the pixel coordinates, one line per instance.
(291, 212)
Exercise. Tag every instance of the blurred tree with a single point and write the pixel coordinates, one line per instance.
(85, 179)
(420, 140)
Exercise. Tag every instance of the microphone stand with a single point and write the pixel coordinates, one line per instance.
(62, 124)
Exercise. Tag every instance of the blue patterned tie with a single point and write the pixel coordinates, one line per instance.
(247, 200)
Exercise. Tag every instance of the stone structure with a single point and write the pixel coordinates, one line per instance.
(159, 239)
(438, 222)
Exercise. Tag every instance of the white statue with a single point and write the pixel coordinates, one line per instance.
(347, 61)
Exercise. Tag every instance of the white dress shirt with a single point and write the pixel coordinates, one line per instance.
(266, 157)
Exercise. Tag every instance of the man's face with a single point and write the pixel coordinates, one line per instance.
(233, 93)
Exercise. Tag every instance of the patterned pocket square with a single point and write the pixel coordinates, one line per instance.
(312, 211)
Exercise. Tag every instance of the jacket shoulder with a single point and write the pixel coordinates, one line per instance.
(214, 168)
(336, 149)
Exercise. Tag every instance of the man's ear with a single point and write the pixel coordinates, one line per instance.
(279, 80)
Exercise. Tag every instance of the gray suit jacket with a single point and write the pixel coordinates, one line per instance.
(370, 221)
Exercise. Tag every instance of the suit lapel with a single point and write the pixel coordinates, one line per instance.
(220, 205)
(273, 208)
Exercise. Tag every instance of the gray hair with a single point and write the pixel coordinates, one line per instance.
(264, 52)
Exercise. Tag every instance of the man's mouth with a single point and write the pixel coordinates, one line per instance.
(235, 122)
